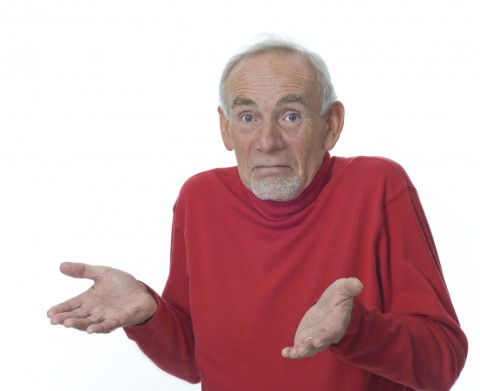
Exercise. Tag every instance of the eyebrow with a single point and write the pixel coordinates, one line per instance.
(289, 98)
(242, 101)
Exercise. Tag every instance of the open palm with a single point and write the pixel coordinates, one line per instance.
(326, 321)
(116, 299)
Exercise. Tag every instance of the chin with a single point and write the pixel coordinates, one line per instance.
(276, 188)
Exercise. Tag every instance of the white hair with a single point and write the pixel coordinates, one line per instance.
(326, 90)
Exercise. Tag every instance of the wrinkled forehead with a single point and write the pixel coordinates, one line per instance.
(281, 73)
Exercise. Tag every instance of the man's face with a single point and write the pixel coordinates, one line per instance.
(275, 126)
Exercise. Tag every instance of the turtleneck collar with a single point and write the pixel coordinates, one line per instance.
(282, 210)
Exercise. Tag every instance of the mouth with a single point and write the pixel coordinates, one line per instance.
(271, 170)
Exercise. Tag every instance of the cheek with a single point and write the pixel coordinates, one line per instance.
(241, 155)
(309, 152)
(241, 145)
(243, 168)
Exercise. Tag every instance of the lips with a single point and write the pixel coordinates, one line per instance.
(268, 170)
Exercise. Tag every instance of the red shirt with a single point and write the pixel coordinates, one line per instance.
(244, 271)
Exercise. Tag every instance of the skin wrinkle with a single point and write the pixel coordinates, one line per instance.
(322, 78)
(288, 98)
(244, 82)
(277, 156)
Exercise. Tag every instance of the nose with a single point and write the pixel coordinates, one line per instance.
(269, 138)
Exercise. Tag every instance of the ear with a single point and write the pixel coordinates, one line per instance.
(335, 118)
(224, 129)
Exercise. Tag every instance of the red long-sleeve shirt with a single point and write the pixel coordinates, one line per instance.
(244, 271)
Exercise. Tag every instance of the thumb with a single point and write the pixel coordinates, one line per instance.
(81, 270)
(353, 286)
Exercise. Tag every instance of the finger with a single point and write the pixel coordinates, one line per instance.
(61, 318)
(299, 352)
(81, 270)
(92, 323)
(320, 345)
(104, 327)
(291, 352)
(353, 286)
(67, 306)
(82, 323)
(305, 349)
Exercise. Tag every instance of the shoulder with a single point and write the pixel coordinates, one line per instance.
(207, 192)
(210, 177)
(371, 172)
(209, 183)
(370, 166)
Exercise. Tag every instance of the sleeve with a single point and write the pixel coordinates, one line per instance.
(167, 338)
(414, 338)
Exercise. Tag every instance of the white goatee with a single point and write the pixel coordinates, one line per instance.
(276, 188)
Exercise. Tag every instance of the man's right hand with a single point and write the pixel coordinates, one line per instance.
(116, 299)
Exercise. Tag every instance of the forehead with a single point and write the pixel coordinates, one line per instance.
(272, 75)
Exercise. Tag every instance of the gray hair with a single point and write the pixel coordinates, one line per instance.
(279, 45)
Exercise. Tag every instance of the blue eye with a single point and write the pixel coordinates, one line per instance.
(247, 118)
(292, 117)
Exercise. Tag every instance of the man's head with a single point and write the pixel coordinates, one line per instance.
(324, 84)
(278, 112)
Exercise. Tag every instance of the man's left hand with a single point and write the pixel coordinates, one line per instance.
(326, 321)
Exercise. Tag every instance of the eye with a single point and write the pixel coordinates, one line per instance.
(292, 117)
(247, 118)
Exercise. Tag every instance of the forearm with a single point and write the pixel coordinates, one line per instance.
(167, 339)
(417, 351)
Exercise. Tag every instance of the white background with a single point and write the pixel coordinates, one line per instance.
(106, 107)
